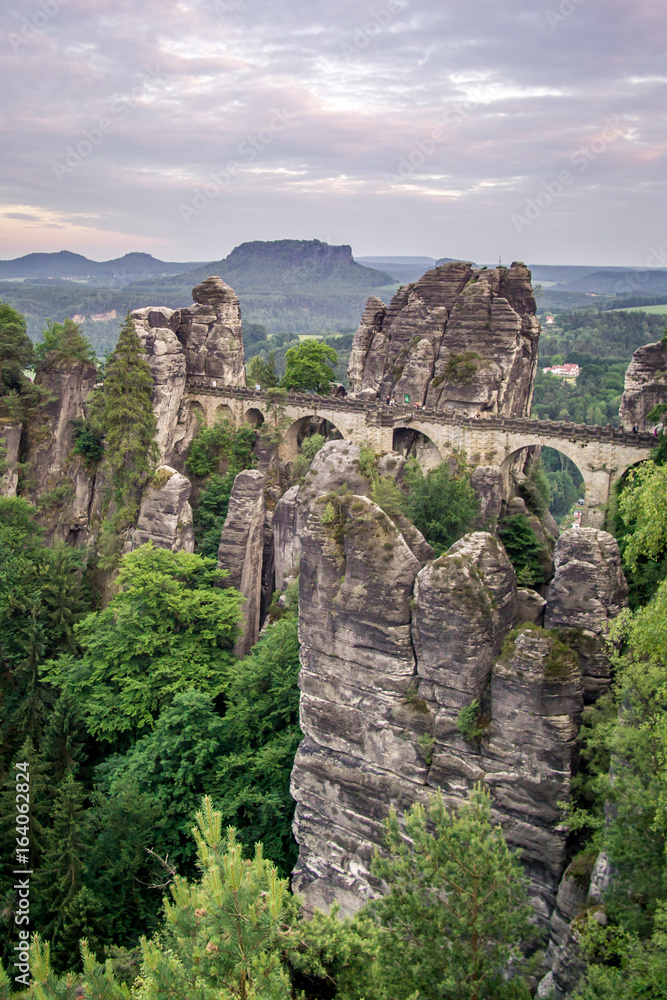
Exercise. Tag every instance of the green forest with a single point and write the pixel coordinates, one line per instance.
(157, 763)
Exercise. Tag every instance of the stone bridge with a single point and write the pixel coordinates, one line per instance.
(602, 454)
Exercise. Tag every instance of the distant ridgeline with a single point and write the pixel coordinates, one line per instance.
(296, 286)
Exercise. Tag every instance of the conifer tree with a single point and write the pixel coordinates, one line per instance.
(64, 342)
(60, 876)
(129, 420)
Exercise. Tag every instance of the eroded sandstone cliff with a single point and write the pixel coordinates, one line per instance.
(458, 338)
(415, 676)
(645, 385)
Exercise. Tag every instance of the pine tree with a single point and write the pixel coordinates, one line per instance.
(60, 876)
(456, 912)
(63, 342)
(129, 420)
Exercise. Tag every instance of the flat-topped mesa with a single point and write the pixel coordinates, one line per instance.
(202, 339)
(458, 339)
(645, 385)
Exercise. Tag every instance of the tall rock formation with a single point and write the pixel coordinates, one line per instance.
(458, 338)
(165, 515)
(202, 339)
(645, 385)
(360, 751)
(588, 590)
(241, 550)
(10, 444)
(394, 658)
(57, 481)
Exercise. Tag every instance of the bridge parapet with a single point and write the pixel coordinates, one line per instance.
(378, 413)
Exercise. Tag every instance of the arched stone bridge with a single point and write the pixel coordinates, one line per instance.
(602, 454)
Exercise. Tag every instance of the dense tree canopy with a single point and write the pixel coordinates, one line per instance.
(309, 367)
(171, 627)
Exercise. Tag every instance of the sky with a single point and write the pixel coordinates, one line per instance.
(499, 129)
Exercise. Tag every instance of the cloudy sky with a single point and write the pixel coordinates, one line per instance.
(531, 129)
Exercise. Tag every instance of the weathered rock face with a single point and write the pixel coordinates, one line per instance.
(165, 515)
(204, 339)
(210, 332)
(336, 466)
(529, 755)
(487, 482)
(588, 590)
(58, 481)
(157, 329)
(563, 954)
(10, 443)
(645, 385)
(242, 548)
(359, 753)
(459, 338)
(391, 655)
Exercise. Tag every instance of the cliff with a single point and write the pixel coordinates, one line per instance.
(414, 676)
(459, 338)
(645, 385)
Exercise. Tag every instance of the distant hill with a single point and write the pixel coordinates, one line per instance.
(304, 286)
(298, 265)
(402, 269)
(68, 266)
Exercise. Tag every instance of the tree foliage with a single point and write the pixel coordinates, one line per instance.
(443, 506)
(171, 627)
(309, 367)
(456, 913)
(523, 548)
(63, 342)
(129, 420)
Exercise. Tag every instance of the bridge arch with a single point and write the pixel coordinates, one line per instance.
(223, 412)
(414, 443)
(554, 459)
(254, 417)
(304, 427)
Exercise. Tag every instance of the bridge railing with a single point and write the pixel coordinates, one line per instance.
(380, 413)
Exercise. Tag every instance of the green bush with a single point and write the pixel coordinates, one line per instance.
(216, 445)
(444, 507)
(523, 548)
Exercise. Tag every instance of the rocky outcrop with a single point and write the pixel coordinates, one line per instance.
(458, 338)
(242, 548)
(360, 751)
(203, 339)
(530, 752)
(530, 606)
(587, 592)
(10, 443)
(57, 481)
(563, 955)
(336, 467)
(645, 385)
(405, 688)
(210, 332)
(364, 372)
(156, 328)
(487, 482)
(165, 515)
